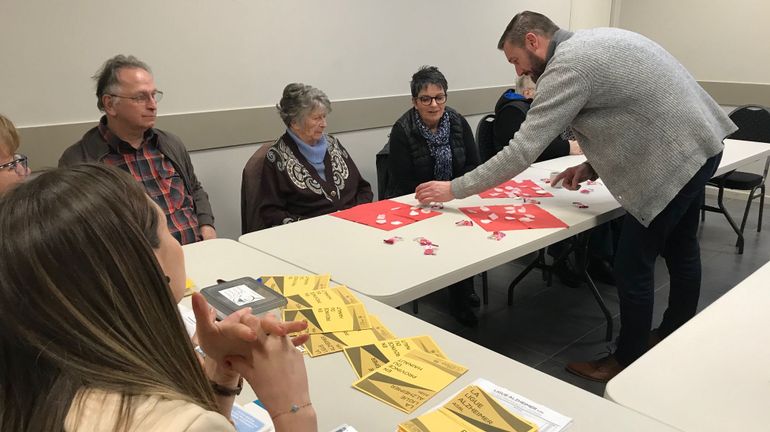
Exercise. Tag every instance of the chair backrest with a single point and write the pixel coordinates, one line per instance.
(485, 131)
(381, 162)
(250, 197)
(485, 137)
(753, 123)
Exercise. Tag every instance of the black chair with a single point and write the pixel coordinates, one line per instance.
(381, 162)
(250, 195)
(753, 125)
(485, 137)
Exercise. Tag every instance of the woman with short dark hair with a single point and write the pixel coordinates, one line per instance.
(431, 141)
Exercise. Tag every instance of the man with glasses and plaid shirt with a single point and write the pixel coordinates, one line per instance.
(126, 138)
(13, 166)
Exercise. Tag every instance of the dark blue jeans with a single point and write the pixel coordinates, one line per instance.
(673, 235)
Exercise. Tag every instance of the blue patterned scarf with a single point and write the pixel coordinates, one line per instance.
(438, 144)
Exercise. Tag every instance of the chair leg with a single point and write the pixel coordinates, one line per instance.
(485, 288)
(414, 306)
(703, 207)
(748, 209)
(761, 207)
(723, 209)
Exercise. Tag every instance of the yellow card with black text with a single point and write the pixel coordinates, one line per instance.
(325, 319)
(327, 343)
(434, 421)
(410, 380)
(334, 296)
(367, 358)
(471, 410)
(477, 408)
(296, 284)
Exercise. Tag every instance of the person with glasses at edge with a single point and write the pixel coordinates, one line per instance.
(432, 141)
(13, 166)
(126, 138)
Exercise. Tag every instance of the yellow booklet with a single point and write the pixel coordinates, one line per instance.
(334, 296)
(325, 319)
(327, 343)
(472, 410)
(295, 284)
(189, 287)
(477, 408)
(434, 421)
(367, 358)
(410, 380)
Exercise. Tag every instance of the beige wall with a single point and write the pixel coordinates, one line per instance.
(223, 64)
(586, 14)
(715, 40)
(235, 54)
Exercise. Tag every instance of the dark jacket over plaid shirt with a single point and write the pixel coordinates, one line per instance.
(94, 148)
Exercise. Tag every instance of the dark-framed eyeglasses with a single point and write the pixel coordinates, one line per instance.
(18, 165)
(143, 98)
(427, 100)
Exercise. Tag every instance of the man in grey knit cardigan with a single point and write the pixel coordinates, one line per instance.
(647, 128)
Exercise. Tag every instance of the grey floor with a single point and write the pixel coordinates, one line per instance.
(549, 326)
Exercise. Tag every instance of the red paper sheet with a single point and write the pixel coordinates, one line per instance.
(516, 188)
(508, 217)
(388, 211)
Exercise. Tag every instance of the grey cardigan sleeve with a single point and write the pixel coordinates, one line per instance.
(561, 94)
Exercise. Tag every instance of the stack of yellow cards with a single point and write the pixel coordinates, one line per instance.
(294, 284)
(403, 373)
(367, 358)
(410, 380)
(336, 318)
(472, 410)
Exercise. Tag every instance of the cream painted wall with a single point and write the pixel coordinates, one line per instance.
(590, 14)
(227, 54)
(714, 40)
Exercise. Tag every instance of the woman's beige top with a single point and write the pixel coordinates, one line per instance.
(99, 409)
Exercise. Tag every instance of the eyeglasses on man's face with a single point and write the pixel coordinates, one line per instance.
(142, 98)
(427, 100)
(18, 165)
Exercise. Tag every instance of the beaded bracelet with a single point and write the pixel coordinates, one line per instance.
(293, 410)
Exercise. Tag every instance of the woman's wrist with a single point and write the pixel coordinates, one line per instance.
(303, 420)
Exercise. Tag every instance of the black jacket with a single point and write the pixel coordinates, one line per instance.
(509, 115)
(410, 162)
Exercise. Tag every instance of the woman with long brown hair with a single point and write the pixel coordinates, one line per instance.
(90, 336)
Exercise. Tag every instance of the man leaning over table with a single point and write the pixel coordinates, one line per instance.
(652, 134)
(126, 138)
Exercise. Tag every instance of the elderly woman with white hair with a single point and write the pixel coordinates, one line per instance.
(307, 172)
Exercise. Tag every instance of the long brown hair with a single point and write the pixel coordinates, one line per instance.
(83, 302)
